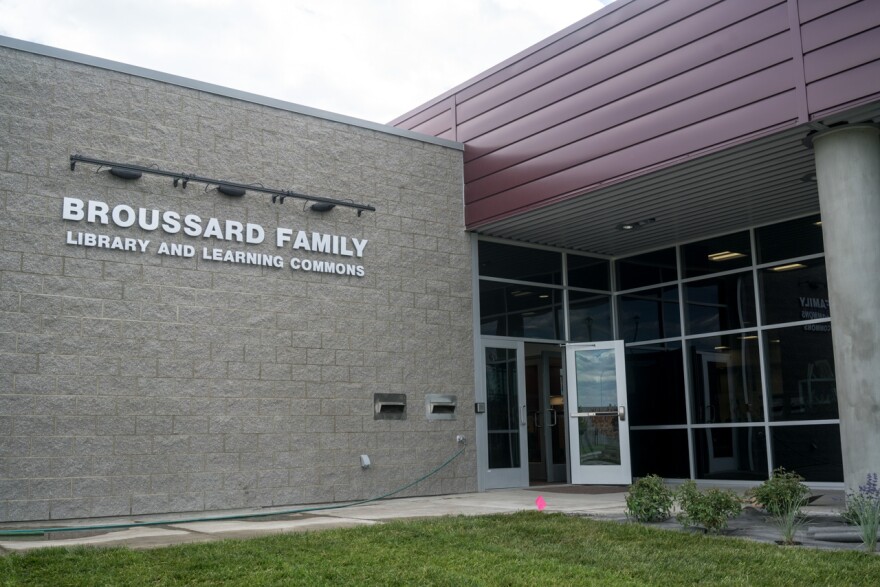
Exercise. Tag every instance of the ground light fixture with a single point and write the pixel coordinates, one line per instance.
(131, 171)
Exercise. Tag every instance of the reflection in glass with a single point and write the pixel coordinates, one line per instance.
(655, 384)
(520, 310)
(723, 253)
(731, 453)
(589, 272)
(521, 263)
(502, 411)
(649, 314)
(786, 240)
(791, 292)
(647, 269)
(725, 379)
(599, 438)
(811, 451)
(720, 303)
(800, 373)
(660, 452)
(590, 317)
(596, 380)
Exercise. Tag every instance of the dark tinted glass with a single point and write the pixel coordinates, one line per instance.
(649, 314)
(660, 452)
(588, 272)
(502, 408)
(520, 310)
(800, 373)
(510, 262)
(725, 379)
(720, 303)
(655, 384)
(811, 451)
(647, 269)
(795, 291)
(590, 316)
(795, 238)
(731, 453)
(722, 253)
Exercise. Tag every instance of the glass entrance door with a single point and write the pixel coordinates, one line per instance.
(501, 415)
(596, 391)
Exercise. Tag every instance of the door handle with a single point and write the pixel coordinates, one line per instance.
(522, 415)
(621, 412)
(553, 423)
(537, 419)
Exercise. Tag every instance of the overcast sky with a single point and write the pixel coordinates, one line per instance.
(372, 59)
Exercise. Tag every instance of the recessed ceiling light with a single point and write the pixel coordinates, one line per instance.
(817, 223)
(635, 225)
(544, 296)
(519, 293)
(722, 348)
(725, 256)
(749, 337)
(789, 267)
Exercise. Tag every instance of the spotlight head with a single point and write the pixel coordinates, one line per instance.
(322, 206)
(125, 173)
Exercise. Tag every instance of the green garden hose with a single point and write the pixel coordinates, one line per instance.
(40, 531)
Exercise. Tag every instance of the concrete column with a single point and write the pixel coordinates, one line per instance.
(848, 174)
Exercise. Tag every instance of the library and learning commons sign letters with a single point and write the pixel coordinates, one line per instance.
(100, 214)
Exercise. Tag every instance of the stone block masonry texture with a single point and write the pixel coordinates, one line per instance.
(135, 382)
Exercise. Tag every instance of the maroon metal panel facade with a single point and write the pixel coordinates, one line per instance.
(841, 44)
(644, 84)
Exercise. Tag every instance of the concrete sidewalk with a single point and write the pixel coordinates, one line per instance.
(592, 501)
(469, 504)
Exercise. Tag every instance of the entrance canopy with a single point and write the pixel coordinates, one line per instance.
(683, 119)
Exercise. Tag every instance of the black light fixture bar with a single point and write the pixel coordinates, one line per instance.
(277, 195)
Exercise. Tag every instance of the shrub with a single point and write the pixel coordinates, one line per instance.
(710, 509)
(788, 517)
(782, 491)
(649, 500)
(863, 509)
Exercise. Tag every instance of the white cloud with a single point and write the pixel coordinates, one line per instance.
(371, 59)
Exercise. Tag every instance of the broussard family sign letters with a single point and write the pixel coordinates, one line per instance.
(98, 213)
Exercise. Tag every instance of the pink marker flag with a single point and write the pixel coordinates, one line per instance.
(540, 503)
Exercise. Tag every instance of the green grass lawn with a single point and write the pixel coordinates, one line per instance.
(521, 549)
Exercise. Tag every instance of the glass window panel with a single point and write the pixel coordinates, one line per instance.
(590, 317)
(720, 303)
(649, 314)
(655, 385)
(647, 269)
(722, 253)
(502, 409)
(800, 373)
(730, 453)
(522, 263)
(811, 451)
(596, 374)
(520, 310)
(795, 238)
(791, 292)
(589, 272)
(725, 379)
(599, 438)
(660, 452)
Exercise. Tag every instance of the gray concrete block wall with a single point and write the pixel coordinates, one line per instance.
(140, 383)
